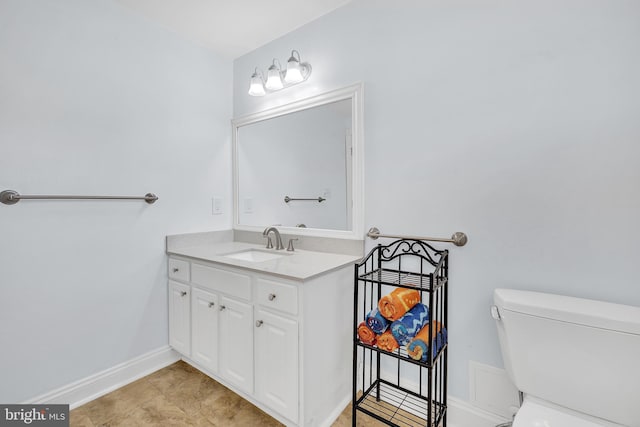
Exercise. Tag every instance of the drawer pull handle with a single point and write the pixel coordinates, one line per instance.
(211, 304)
(259, 323)
(183, 293)
(176, 269)
(272, 297)
(222, 307)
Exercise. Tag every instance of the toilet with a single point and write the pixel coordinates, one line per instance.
(576, 361)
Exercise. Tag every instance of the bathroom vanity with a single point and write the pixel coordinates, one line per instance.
(274, 326)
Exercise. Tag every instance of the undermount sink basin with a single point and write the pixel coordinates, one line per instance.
(254, 255)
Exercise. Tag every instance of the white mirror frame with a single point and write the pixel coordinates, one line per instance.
(354, 93)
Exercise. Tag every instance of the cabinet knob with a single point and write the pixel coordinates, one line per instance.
(176, 269)
(222, 307)
(259, 323)
(183, 293)
(211, 304)
(272, 297)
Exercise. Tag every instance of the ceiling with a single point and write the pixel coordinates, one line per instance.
(232, 27)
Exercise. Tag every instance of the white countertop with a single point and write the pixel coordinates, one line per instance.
(296, 265)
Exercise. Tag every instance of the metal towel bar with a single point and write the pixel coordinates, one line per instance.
(287, 199)
(10, 197)
(458, 238)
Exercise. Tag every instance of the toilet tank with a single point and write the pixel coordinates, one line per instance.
(577, 353)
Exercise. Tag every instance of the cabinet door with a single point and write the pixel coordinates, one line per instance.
(236, 343)
(276, 358)
(204, 329)
(179, 317)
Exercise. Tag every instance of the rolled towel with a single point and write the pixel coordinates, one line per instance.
(387, 342)
(405, 328)
(398, 302)
(376, 322)
(365, 334)
(418, 348)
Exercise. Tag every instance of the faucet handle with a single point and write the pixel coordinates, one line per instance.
(290, 247)
(269, 243)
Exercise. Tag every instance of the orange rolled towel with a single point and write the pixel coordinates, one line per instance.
(365, 334)
(387, 342)
(398, 302)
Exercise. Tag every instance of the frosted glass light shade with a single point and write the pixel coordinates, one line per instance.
(256, 88)
(294, 73)
(274, 80)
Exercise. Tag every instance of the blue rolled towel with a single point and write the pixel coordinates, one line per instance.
(376, 322)
(418, 348)
(408, 325)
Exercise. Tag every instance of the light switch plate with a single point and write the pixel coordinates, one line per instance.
(248, 205)
(216, 205)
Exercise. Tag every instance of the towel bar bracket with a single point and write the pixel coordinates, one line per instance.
(8, 197)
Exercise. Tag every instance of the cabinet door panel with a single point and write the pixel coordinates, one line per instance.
(179, 317)
(204, 329)
(276, 357)
(236, 343)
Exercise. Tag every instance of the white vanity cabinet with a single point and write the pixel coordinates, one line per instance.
(179, 317)
(205, 307)
(236, 343)
(276, 362)
(284, 345)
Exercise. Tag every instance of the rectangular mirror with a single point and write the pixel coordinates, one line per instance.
(299, 166)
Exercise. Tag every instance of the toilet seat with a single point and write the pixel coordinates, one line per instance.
(537, 413)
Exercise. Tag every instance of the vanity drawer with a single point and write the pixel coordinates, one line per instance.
(277, 295)
(228, 282)
(178, 269)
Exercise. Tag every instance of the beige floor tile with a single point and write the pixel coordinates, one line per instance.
(180, 395)
(80, 418)
(156, 412)
(117, 404)
(195, 393)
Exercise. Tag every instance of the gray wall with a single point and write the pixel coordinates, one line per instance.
(515, 122)
(94, 100)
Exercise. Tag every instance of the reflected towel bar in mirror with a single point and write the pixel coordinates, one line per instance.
(287, 199)
(458, 238)
(10, 197)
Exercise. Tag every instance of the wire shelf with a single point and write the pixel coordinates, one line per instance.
(402, 354)
(399, 407)
(404, 279)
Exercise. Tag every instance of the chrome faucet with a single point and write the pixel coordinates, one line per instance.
(266, 232)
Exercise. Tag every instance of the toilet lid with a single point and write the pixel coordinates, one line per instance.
(534, 413)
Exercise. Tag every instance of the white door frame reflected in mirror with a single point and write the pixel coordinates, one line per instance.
(355, 170)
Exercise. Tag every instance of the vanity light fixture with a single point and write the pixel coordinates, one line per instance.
(278, 79)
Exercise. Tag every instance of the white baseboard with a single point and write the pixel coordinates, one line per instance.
(94, 386)
(333, 416)
(461, 413)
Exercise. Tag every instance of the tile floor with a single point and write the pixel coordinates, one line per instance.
(180, 395)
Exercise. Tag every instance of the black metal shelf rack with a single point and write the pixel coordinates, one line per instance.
(390, 386)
